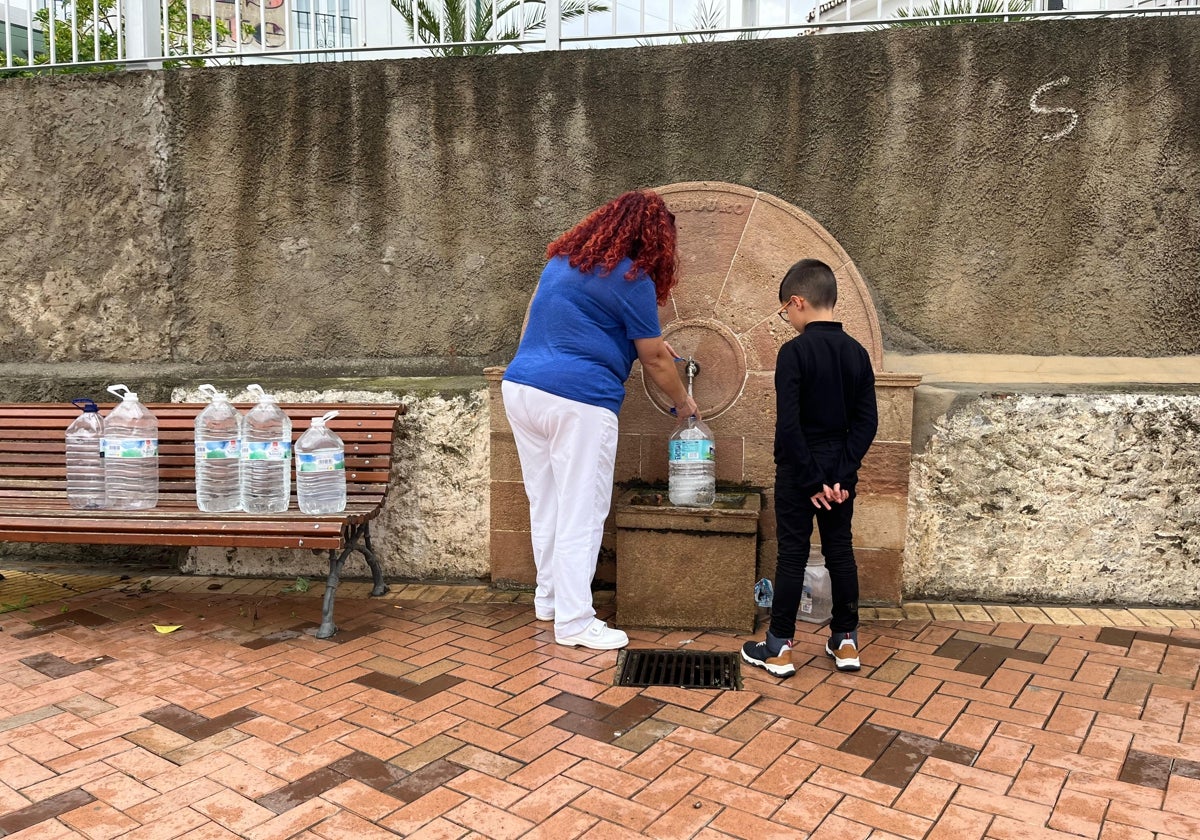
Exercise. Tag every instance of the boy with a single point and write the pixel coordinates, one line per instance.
(825, 421)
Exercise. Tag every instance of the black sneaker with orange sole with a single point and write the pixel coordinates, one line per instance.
(759, 655)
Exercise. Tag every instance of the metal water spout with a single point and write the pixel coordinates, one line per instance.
(692, 369)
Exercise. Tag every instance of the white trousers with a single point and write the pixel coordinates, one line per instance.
(567, 450)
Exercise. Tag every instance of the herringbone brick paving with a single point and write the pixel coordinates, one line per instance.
(451, 713)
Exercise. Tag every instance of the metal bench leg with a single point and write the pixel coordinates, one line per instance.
(336, 560)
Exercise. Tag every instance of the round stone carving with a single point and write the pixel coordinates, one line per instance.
(722, 363)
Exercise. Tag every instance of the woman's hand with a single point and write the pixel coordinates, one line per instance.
(658, 359)
(688, 409)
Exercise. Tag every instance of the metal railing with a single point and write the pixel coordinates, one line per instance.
(80, 35)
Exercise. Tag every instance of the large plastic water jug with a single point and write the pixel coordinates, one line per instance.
(266, 456)
(218, 454)
(691, 465)
(130, 447)
(816, 601)
(320, 468)
(85, 467)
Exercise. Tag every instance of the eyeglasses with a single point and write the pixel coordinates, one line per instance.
(783, 313)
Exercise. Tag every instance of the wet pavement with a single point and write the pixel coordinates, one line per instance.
(449, 712)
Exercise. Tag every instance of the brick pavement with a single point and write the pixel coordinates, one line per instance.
(446, 712)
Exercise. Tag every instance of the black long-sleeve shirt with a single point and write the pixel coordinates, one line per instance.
(825, 407)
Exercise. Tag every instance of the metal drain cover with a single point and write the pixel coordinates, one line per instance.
(680, 668)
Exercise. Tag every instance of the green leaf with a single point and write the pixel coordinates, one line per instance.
(302, 584)
(94, 30)
(23, 603)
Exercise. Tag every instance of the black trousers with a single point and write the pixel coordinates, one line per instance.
(794, 516)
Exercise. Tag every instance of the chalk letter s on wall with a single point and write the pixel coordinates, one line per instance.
(1038, 109)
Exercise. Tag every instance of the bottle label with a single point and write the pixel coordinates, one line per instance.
(692, 450)
(806, 605)
(269, 450)
(216, 450)
(324, 460)
(129, 447)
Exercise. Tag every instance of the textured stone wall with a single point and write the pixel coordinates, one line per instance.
(85, 270)
(1084, 498)
(1001, 188)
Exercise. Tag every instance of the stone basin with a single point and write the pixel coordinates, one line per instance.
(659, 499)
(686, 567)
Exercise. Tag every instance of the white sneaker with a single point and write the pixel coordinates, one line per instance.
(597, 636)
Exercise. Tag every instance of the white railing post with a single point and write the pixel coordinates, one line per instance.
(143, 34)
(554, 24)
(750, 13)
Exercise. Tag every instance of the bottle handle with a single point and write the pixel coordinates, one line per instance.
(124, 389)
(256, 391)
(85, 405)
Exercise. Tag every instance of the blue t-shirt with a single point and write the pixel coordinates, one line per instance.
(578, 343)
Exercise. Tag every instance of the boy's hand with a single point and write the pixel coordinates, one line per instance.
(827, 495)
(821, 498)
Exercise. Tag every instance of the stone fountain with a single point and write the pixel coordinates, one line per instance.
(734, 246)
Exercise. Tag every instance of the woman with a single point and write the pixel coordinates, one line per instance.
(594, 311)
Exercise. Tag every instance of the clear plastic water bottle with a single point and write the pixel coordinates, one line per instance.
(218, 454)
(320, 468)
(816, 601)
(266, 456)
(85, 467)
(692, 465)
(130, 447)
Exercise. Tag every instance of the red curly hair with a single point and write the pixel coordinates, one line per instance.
(637, 225)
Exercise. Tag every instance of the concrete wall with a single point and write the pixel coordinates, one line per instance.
(1003, 189)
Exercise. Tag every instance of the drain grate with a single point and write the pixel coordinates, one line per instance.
(682, 668)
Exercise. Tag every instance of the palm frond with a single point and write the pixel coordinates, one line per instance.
(1012, 10)
(708, 14)
(448, 21)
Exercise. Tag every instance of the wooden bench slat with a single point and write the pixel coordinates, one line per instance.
(164, 522)
(180, 467)
(66, 409)
(43, 496)
(353, 474)
(182, 491)
(55, 434)
(205, 537)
